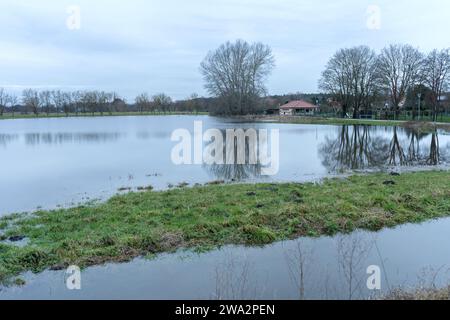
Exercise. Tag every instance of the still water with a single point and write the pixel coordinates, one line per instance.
(332, 268)
(47, 163)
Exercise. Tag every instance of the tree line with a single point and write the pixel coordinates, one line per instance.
(361, 80)
(90, 102)
(356, 81)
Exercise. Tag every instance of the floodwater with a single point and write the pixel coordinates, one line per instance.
(47, 163)
(332, 268)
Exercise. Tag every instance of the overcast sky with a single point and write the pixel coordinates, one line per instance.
(156, 46)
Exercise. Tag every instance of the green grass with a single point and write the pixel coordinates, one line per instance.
(10, 116)
(147, 223)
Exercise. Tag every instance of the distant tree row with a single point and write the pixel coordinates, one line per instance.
(359, 79)
(91, 102)
(6, 100)
(356, 81)
(57, 101)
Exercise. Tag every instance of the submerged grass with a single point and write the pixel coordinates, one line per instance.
(147, 223)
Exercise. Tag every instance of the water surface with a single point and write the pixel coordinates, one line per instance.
(408, 256)
(45, 163)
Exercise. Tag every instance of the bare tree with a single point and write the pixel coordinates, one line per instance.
(46, 100)
(350, 76)
(399, 67)
(103, 101)
(109, 99)
(57, 99)
(31, 100)
(67, 102)
(162, 102)
(12, 100)
(437, 76)
(142, 102)
(192, 104)
(235, 73)
(3, 100)
(84, 101)
(92, 100)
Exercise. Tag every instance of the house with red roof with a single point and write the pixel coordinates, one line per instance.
(298, 107)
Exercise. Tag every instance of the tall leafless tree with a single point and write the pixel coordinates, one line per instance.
(57, 99)
(67, 102)
(399, 67)
(76, 100)
(3, 100)
(11, 101)
(91, 99)
(350, 76)
(235, 73)
(31, 100)
(437, 76)
(84, 101)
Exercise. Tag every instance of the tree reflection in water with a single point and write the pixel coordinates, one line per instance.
(357, 148)
(63, 138)
(6, 139)
(363, 147)
(236, 172)
(354, 148)
(434, 157)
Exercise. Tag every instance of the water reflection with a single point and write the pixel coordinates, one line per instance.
(232, 277)
(147, 135)
(434, 156)
(362, 147)
(60, 138)
(5, 139)
(124, 146)
(353, 148)
(236, 172)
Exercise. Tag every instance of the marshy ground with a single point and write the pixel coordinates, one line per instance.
(204, 217)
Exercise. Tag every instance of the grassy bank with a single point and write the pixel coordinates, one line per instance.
(419, 294)
(146, 223)
(420, 125)
(9, 116)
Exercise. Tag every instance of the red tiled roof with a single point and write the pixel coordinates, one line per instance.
(299, 104)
